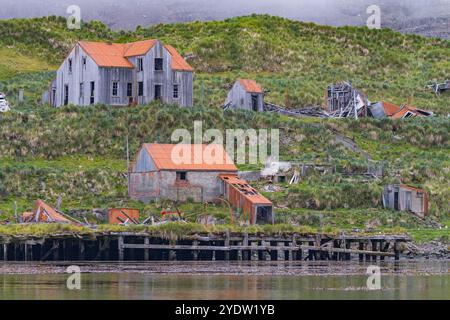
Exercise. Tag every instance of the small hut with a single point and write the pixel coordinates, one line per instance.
(246, 94)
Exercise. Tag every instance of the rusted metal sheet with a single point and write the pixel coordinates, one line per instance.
(119, 215)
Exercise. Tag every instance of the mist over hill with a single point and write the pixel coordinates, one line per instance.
(425, 17)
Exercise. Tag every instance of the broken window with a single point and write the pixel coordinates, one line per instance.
(141, 88)
(175, 91)
(140, 63)
(181, 175)
(84, 62)
(115, 88)
(158, 64)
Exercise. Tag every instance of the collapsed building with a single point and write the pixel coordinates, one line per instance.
(245, 94)
(199, 173)
(439, 88)
(383, 109)
(344, 101)
(406, 198)
(43, 213)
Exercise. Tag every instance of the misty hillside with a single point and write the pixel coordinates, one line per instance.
(129, 14)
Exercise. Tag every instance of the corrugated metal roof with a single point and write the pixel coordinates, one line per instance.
(250, 86)
(390, 108)
(138, 48)
(199, 160)
(245, 189)
(48, 214)
(178, 62)
(114, 55)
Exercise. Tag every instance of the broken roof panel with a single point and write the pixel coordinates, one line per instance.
(245, 189)
(200, 157)
(44, 213)
(251, 86)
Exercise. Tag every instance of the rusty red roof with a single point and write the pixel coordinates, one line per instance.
(390, 108)
(178, 62)
(245, 189)
(250, 86)
(47, 213)
(200, 157)
(114, 55)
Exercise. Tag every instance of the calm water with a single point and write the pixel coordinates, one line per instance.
(427, 280)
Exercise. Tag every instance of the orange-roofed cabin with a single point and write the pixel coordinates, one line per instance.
(196, 172)
(246, 94)
(122, 74)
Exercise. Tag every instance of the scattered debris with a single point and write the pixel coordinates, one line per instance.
(382, 109)
(272, 188)
(316, 112)
(124, 216)
(4, 105)
(43, 213)
(438, 88)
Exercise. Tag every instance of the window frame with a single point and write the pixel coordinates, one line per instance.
(177, 86)
(129, 89)
(159, 64)
(140, 63)
(181, 176)
(115, 91)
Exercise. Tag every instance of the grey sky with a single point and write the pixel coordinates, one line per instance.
(129, 13)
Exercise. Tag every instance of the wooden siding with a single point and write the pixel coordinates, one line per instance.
(241, 99)
(104, 78)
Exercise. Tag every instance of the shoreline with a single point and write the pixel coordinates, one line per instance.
(222, 268)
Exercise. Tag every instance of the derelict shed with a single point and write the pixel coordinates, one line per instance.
(406, 198)
(241, 195)
(246, 94)
(156, 174)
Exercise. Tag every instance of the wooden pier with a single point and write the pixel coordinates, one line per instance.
(144, 247)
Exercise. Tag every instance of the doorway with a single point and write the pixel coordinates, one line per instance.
(158, 92)
(396, 206)
(255, 102)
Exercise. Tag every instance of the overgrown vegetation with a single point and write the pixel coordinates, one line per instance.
(80, 153)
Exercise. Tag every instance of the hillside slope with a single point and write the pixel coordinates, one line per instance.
(295, 61)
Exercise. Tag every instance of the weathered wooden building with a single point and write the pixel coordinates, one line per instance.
(201, 173)
(122, 74)
(384, 109)
(406, 198)
(246, 94)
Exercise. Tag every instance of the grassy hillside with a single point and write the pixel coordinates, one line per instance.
(294, 60)
(80, 153)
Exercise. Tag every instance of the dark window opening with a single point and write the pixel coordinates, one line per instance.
(175, 91)
(181, 176)
(70, 65)
(158, 91)
(81, 89)
(254, 102)
(115, 88)
(140, 64)
(158, 64)
(129, 89)
(141, 88)
(84, 62)
(92, 95)
(282, 179)
(66, 94)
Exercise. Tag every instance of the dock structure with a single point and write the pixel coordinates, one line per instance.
(226, 247)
